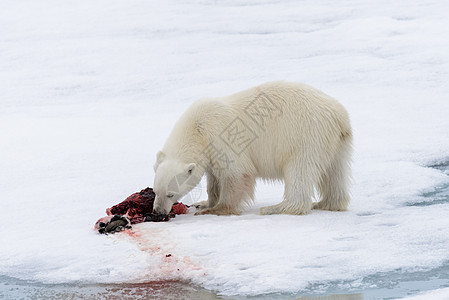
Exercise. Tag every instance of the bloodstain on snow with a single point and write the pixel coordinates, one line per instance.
(154, 242)
(132, 233)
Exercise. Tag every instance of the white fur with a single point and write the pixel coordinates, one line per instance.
(275, 131)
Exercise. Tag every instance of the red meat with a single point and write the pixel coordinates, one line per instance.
(138, 208)
(179, 209)
(135, 206)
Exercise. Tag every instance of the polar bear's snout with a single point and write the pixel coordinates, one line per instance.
(173, 179)
(162, 206)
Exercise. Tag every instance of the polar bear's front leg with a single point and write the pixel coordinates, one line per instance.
(225, 204)
(235, 192)
(213, 193)
(213, 189)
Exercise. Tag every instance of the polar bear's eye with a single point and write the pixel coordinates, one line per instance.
(170, 196)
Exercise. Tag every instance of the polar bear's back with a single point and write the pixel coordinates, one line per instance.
(282, 120)
(263, 127)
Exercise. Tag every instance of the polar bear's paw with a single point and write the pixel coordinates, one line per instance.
(204, 211)
(201, 205)
(329, 206)
(217, 211)
(281, 208)
(271, 210)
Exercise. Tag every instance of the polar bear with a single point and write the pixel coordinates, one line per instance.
(276, 131)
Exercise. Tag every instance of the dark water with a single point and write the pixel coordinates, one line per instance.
(17, 289)
(389, 285)
(440, 195)
(11, 288)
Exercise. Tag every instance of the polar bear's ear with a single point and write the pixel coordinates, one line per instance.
(159, 158)
(189, 168)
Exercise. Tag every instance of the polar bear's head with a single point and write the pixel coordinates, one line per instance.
(173, 179)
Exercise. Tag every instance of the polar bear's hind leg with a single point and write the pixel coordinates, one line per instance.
(334, 183)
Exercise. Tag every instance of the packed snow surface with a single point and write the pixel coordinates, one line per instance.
(90, 90)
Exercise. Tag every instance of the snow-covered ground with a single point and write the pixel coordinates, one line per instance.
(89, 90)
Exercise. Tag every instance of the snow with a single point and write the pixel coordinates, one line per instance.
(90, 90)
